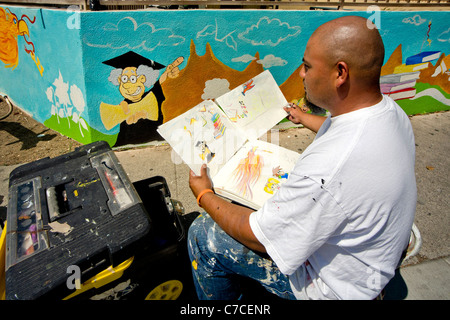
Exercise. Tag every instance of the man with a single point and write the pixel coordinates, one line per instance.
(337, 228)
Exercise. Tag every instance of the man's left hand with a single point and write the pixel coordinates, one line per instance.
(201, 182)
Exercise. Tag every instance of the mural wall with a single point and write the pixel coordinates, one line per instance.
(116, 76)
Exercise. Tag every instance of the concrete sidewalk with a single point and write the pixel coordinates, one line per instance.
(429, 280)
(425, 276)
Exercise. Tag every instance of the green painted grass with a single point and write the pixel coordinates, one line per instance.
(81, 135)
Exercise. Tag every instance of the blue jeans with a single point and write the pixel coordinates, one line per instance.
(216, 259)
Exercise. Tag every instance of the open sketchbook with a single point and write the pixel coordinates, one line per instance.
(242, 168)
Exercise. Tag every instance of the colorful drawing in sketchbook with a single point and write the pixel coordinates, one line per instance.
(219, 127)
(272, 185)
(205, 153)
(238, 113)
(218, 132)
(255, 173)
(279, 173)
(243, 109)
(239, 165)
(202, 134)
(255, 105)
(247, 86)
(248, 172)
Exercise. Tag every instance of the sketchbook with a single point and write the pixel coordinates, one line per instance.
(255, 173)
(224, 134)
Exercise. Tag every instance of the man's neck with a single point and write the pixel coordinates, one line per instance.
(353, 103)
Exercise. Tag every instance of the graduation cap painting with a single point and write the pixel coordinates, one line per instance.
(139, 81)
(132, 59)
(133, 74)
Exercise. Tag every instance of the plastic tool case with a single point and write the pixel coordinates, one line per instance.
(78, 209)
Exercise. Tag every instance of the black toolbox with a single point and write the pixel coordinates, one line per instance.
(80, 212)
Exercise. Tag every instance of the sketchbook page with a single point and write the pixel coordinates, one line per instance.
(203, 134)
(255, 173)
(255, 106)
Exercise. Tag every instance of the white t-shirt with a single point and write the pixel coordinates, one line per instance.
(339, 224)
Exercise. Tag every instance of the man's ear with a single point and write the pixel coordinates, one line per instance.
(342, 73)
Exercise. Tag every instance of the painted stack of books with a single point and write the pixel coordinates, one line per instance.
(400, 84)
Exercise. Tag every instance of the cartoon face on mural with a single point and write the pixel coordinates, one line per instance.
(140, 111)
(131, 82)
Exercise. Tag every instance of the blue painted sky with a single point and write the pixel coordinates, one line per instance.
(234, 35)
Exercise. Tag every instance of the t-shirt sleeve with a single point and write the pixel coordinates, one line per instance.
(296, 221)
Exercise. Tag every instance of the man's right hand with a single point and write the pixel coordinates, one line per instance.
(298, 116)
(294, 113)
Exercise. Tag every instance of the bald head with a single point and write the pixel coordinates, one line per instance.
(354, 40)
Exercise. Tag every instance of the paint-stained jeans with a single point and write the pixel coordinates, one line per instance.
(216, 259)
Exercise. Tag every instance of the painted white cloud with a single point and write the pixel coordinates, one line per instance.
(271, 61)
(444, 36)
(127, 33)
(416, 19)
(207, 31)
(269, 32)
(244, 58)
(215, 88)
(213, 30)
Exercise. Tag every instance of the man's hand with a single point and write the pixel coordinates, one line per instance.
(297, 115)
(232, 218)
(201, 182)
(294, 113)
